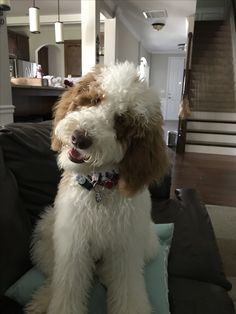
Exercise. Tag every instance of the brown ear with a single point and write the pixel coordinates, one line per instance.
(145, 161)
(60, 110)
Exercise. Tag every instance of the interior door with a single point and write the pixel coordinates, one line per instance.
(174, 87)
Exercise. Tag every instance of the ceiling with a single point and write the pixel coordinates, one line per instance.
(130, 12)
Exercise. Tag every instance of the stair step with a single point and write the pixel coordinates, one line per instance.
(200, 48)
(217, 84)
(203, 149)
(212, 121)
(195, 142)
(211, 68)
(201, 131)
(211, 25)
(199, 96)
(211, 125)
(210, 61)
(209, 92)
(212, 40)
(213, 105)
(213, 77)
(216, 139)
(214, 116)
(219, 53)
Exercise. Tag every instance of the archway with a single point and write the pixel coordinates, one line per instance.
(49, 57)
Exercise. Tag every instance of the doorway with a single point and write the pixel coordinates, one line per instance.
(174, 87)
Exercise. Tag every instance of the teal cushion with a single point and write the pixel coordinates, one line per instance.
(155, 277)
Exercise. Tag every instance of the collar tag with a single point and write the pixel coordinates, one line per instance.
(85, 182)
(106, 180)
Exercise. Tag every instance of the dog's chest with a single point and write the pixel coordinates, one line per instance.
(100, 223)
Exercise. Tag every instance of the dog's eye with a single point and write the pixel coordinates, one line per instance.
(119, 119)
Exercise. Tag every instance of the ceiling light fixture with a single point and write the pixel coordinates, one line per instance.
(158, 25)
(5, 5)
(58, 27)
(34, 19)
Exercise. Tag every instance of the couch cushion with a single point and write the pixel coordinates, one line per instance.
(28, 182)
(26, 149)
(15, 230)
(155, 276)
(195, 297)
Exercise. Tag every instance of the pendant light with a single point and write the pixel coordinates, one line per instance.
(34, 19)
(58, 27)
(5, 5)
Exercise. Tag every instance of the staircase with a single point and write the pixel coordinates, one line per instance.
(211, 127)
(212, 77)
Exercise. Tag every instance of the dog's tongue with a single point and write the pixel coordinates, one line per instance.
(75, 156)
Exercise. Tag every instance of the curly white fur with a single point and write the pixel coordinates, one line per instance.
(78, 231)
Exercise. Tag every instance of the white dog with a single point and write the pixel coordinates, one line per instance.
(108, 132)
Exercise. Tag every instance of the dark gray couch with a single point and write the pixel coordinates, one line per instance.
(28, 182)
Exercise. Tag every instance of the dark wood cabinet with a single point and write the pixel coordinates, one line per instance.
(18, 45)
(43, 59)
(12, 44)
(72, 52)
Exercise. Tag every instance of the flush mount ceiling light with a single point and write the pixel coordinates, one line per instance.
(158, 25)
(34, 19)
(58, 27)
(5, 5)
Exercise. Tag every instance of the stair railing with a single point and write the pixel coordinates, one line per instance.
(184, 106)
(233, 5)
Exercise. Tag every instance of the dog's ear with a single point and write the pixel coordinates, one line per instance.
(79, 95)
(146, 157)
(64, 105)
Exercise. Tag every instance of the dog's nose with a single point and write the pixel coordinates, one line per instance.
(81, 140)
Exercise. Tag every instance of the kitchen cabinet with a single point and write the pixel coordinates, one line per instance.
(18, 45)
(34, 103)
(72, 53)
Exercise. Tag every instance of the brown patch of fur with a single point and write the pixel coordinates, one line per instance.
(146, 157)
(86, 93)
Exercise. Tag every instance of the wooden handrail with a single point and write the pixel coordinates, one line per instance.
(184, 110)
(188, 64)
(233, 2)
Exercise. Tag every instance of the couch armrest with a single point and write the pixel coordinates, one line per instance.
(194, 252)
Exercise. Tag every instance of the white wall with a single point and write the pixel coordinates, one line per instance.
(127, 46)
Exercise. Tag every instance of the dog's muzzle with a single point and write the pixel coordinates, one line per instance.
(81, 140)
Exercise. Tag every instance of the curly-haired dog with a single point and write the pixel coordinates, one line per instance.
(108, 132)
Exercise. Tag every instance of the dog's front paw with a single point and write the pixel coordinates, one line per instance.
(33, 308)
(141, 306)
(40, 301)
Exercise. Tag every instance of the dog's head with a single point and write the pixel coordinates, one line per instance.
(111, 119)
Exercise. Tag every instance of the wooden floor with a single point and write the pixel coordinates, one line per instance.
(213, 176)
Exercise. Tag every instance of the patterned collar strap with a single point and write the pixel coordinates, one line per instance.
(105, 179)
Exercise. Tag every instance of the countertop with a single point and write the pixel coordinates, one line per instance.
(28, 90)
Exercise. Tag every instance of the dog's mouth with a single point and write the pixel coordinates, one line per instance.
(76, 156)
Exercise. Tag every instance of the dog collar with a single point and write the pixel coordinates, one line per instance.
(105, 179)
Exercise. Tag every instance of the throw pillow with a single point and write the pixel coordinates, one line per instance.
(155, 277)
